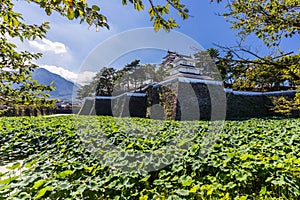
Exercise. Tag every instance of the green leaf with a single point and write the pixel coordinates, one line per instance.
(42, 192)
(186, 180)
(231, 185)
(65, 185)
(71, 14)
(4, 187)
(24, 195)
(48, 10)
(87, 168)
(182, 192)
(210, 191)
(7, 180)
(269, 179)
(195, 189)
(64, 174)
(263, 190)
(144, 197)
(38, 184)
(95, 8)
(241, 176)
(81, 189)
(158, 182)
(14, 166)
(278, 182)
(145, 179)
(174, 197)
(242, 198)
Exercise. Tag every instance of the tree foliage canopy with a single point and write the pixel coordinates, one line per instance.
(269, 20)
(132, 77)
(17, 87)
(79, 9)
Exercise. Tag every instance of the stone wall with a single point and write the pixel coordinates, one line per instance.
(126, 105)
(186, 101)
(242, 106)
(129, 106)
(200, 101)
(103, 106)
(138, 106)
(87, 107)
(162, 101)
(247, 106)
(194, 101)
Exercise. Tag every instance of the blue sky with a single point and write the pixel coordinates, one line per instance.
(69, 45)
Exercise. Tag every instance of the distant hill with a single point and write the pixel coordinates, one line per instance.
(64, 88)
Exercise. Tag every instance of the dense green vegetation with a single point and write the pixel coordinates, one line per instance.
(251, 159)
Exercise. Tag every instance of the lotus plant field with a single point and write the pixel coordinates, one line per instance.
(89, 157)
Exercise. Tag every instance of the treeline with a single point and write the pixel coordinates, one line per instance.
(257, 75)
(132, 77)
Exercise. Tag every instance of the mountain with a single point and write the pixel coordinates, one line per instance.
(64, 88)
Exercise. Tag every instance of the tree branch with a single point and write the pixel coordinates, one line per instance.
(260, 60)
(177, 8)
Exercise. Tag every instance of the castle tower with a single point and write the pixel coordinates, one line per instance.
(189, 92)
(184, 66)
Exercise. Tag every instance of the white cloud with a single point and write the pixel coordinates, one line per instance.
(85, 77)
(81, 78)
(47, 45)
